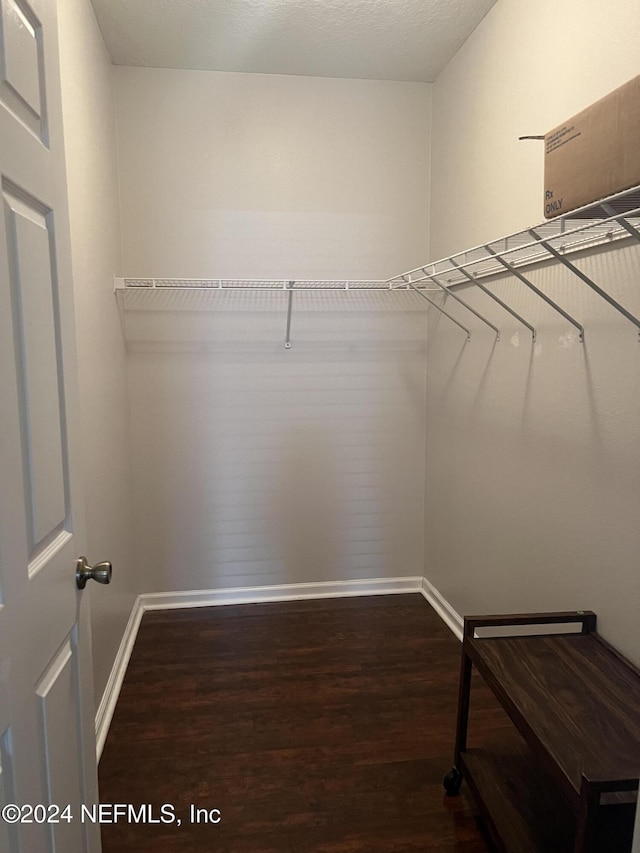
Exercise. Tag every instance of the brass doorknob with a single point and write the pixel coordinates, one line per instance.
(101, 572)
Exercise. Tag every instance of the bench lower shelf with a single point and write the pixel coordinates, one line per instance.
(524, 808)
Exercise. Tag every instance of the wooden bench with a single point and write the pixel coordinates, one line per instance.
(566, 778)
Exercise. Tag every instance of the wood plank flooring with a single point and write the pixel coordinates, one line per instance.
(320, 726)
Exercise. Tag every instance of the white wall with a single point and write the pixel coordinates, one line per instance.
(533, 454)
(258, 465)
(526, 68)
(253, 464)
(89, 129)
(532, 451)
(249, 175)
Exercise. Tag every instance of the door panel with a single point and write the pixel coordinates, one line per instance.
(8, 838)
(22, 65)
(36, 338)
(58, 736)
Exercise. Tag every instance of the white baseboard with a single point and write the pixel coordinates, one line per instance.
(442, 607)
(283, 592)
(114, 684)
(255, 595)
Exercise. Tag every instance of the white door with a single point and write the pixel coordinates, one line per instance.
(47, 736)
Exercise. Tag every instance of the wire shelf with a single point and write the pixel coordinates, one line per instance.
(252, 284)
(604, 223)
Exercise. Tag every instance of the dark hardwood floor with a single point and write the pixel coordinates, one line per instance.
(320, 726)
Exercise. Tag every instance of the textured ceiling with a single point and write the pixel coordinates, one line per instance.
(376, 39)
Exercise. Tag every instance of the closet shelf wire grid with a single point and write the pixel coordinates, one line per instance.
(600, 224)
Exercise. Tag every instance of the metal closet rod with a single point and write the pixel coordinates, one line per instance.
(593, 231)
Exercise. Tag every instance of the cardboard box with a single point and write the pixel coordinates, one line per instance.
(594, 154)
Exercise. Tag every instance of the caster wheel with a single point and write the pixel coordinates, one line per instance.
(452, 782)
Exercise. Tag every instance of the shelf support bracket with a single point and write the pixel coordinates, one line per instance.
(287, 339)
(620, 219)
(438, 308)
(462, 302)
(585, 278)
(537, 291)
(495, 298)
